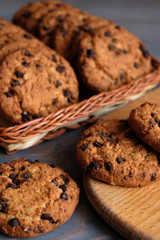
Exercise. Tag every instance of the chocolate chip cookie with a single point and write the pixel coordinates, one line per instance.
(31, 15)
(109, 151)
(35, 82)
(109, 57)
(145, 122)
(35, 198)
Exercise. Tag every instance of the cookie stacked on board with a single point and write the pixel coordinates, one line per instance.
(35, 80)
(123, 152)
(104, 54)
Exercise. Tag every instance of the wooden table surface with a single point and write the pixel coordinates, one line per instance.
(141, 17)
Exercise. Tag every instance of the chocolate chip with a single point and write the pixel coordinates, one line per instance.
(63, 187)
(118, 52)
(27, 36)
(23, 168)
(94, 166)
(136, 65)
(55, 182)
(64, 196)
(19, 74)
(35, 116)
(110, 140)
(46, 216)
(15, 83)
(144, 51)
(27, 14)
(38, 65)
(84, 146)
(27, 175)
(58, 84)
(28, 54)
(121, 76)
(9, 94)
(88, 135)
(51, 165)
(130, 135)
(41, 229)
(54, 222)
(114, 40)
(107, 34)
(158, 158)
(26, 117)
(13, 176)
(108, 166)
(63, 31)
(60, 68)
(97, 144)
(111, 47)
(14, 222)
(118, 27)
(29, 160)
(90, 53)
(16, 181)
(4, 205)
(64, 178)
(54, 58)
(26, 64)
(45, 28)
(12, 185)
(54, 100)
(153, 177)
(120, 160)
(125, 51)
(1, 173)
(66, 92)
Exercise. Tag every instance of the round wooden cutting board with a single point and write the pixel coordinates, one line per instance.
(133, 212)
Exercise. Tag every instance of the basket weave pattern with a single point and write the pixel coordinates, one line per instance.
(49, 124)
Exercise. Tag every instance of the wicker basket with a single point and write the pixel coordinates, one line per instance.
(33, 132)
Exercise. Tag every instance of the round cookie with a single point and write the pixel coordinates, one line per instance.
(109, 57)
(66, 31)
(145, 122)
(35, 198)
(35, 82)
(109, 151)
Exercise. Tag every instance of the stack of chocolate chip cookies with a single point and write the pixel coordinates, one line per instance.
(35, 80)
(104, 54)
(123, 152)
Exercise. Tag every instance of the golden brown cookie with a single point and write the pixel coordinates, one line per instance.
(109, 57)
(35, 198)
(145, 122)
(109, 151)
(35, 82)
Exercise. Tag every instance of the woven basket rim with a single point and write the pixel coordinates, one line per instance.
(16, 133)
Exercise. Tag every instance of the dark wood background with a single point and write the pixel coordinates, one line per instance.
(141, 17)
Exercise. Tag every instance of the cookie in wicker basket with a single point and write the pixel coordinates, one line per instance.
(35, 198)
(29, 16)
(145, 122)
(109, 57)
(35, 82)
(109, 151)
